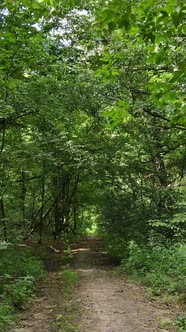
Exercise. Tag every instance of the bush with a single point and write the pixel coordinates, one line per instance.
(116, 247)
(181, 323)
(18, 293)
(161, 268)
(6, 316)
(69, 276)
(19, 270)
(16, 262)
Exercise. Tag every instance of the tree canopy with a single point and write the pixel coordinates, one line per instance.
(92, 118)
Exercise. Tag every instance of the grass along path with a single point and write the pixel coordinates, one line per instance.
(55, 308)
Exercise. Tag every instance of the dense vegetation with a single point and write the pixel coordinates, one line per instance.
(19, 271)
(93, 128)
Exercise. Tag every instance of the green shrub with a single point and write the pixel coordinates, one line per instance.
(181, 323)
(32, 266)
(116, 247)
(19, 292)
(20, 263)
(67, 254)
(69, 276)
(19, 269)
(161, 268)
(6, 316)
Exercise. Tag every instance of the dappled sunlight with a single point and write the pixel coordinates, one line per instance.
(86, 250)
(80, 249)
(87, 270)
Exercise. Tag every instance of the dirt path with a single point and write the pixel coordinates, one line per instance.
(106, 303)
(109, 304)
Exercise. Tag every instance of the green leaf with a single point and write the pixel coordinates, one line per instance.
(124, 22)
(176, 19)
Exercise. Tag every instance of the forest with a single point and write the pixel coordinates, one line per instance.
(93, 136)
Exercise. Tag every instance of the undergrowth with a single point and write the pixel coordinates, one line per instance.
(67, 321)
(160, 266)
(19, 270)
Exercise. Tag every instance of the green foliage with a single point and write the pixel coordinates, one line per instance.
(19, 270)
(92, 129)
(159, 28)
(69, 277)
(116, 247)
(20, 263)
(67, 254)
(162, 268)
(175, 225)
(158, 264)
(19, 292)
(6, 316)
(181, 323)
(87, 117)
(67, 321)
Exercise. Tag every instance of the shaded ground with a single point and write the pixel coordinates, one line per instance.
(110, 304)
(49, 303)
(106, 303)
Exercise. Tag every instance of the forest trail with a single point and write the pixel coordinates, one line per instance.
(105, 302)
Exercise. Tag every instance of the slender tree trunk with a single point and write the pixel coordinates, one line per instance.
(42, 203)
(75, 220)
(2, 209)
(59, 220)
(3, 220)
(3, 138)
(23, 195)
(60, 213)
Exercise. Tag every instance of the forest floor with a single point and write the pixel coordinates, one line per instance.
(100, 302)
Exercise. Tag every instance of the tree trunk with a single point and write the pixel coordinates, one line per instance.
(23, 195)
(3, 220)
(42, 203)
(2, 210)
(75, 220)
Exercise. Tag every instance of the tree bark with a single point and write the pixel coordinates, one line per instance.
(42, 203)
(5, 234)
